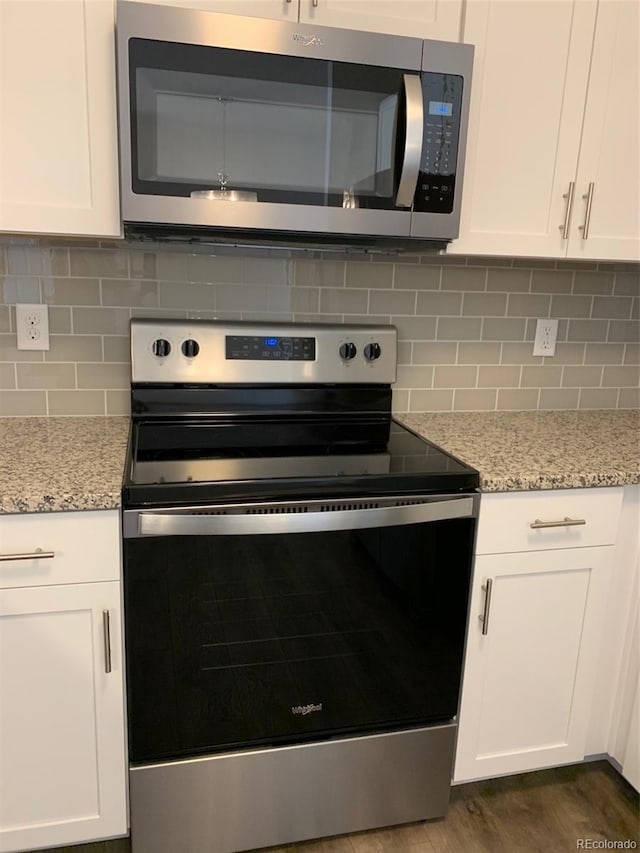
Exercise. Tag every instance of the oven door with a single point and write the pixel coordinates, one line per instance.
(271, 624)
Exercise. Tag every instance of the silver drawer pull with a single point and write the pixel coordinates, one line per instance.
(106, 635)
(38, 554)
(566, 522)
(487, 606)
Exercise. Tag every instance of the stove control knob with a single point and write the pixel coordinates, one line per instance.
(190, 348)
(348, 351)
(372, 351)
(161, 348)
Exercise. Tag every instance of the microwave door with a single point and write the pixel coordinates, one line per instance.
(410, 146)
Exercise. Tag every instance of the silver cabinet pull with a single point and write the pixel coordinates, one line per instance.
(38, 554)
(565, 522)
(106, 634)
(487, 605)
(314, 3)
(567, 216)
(587, 216)
(412, 141)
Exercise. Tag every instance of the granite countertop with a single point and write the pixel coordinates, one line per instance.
(52, 464)
(519, 451)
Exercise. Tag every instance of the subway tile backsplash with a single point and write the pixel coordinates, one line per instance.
(466, 325)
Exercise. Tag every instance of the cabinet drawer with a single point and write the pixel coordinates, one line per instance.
(85, 547)
(506, 520)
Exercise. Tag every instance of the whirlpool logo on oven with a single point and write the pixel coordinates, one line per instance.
(306, 709)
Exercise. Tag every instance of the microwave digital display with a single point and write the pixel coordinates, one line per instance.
(440, 108)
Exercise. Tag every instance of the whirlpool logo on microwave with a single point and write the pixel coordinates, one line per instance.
(308, 41)
(306, 709)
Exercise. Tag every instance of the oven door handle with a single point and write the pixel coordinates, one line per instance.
(199, 522)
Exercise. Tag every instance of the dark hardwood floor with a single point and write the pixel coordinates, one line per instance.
(548, 811)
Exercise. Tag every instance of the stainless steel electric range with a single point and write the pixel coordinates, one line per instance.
(296, 576)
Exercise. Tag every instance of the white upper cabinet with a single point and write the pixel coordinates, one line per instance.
(284, 9)
(527, 100)
(435, 19)
(554, 108)
(610, 148)
(58, 154)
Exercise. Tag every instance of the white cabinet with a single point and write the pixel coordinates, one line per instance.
(284, 9)
(436, 19)
(62, 739)
(554, 109)
(58, 145)
(536, 614)
(620, 658)
(609, 161)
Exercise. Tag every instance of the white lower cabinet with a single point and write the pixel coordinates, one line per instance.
(62, 738)
(535, 628)
(621, 684)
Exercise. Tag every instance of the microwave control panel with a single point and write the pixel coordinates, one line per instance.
(442, 98)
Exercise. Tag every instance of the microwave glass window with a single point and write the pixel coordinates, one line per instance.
(269, 128)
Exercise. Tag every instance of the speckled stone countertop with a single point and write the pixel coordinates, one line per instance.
(518, 451)
(53, 464)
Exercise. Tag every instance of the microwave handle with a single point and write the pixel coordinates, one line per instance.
(413, 141)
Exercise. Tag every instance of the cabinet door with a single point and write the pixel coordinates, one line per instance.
(609, 157)
(527, 101)
(286, 10)
(58, 147)
(631, 758)
(434, 19)
(624, 742)
(528, 680)
(62, 747)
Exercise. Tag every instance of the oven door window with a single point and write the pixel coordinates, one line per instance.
(269, 639)
(238, 125)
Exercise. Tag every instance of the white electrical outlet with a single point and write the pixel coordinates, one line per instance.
(32, 326)
(546, 334)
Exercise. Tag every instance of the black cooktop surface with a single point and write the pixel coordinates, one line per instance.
(178, 461)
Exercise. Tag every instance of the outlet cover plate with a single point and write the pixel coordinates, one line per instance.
(546, 335)
(32, 326)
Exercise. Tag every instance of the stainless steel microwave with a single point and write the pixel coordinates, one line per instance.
(252, 130)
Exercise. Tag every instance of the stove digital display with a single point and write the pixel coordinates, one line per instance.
(257, 348)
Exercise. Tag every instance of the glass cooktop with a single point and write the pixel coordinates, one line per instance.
(175, 453)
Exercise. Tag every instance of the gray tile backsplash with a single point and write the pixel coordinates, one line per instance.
(465, 325)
